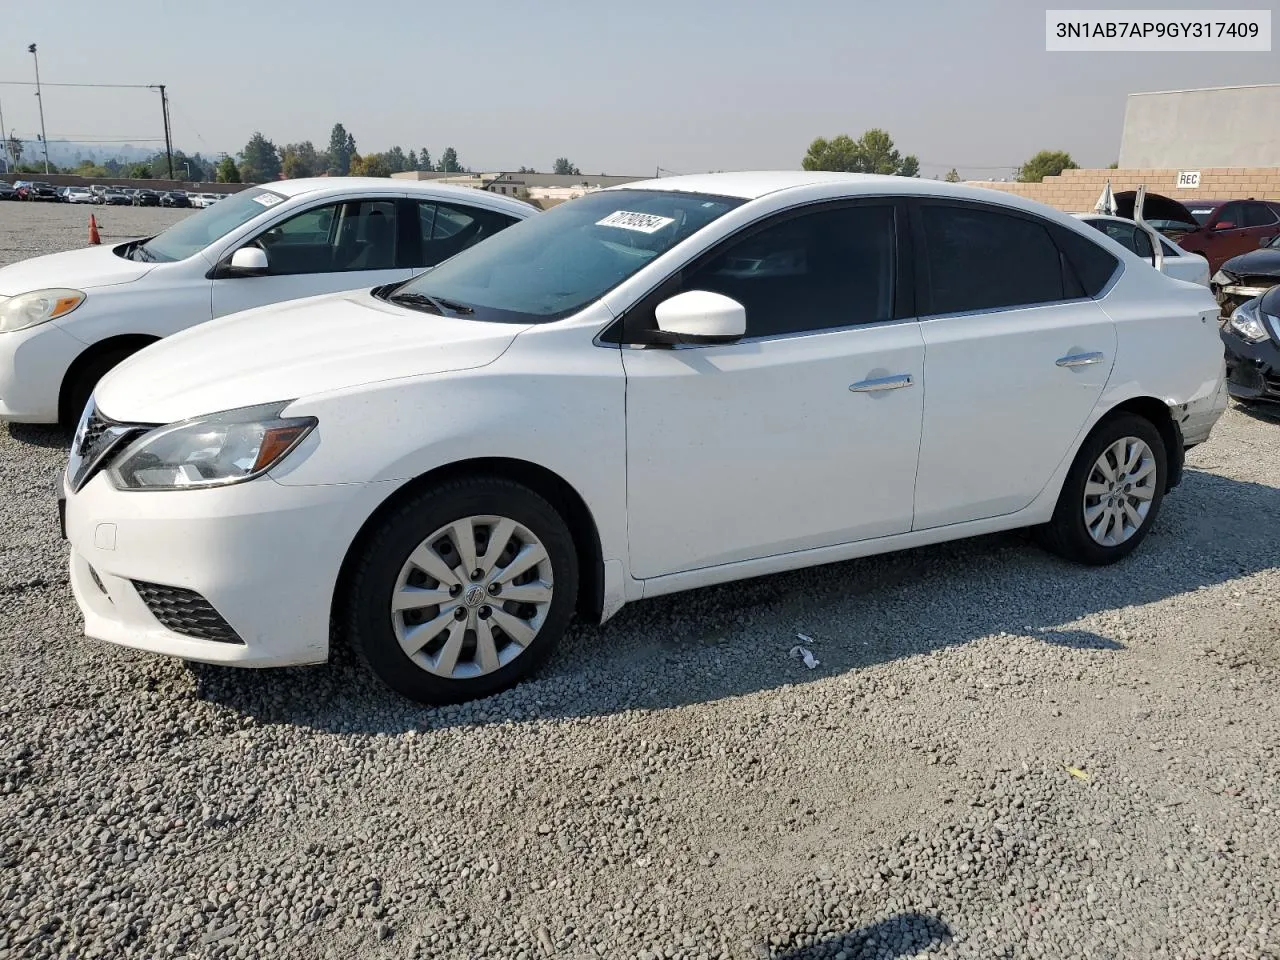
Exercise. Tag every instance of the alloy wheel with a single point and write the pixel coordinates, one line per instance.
(1119, 491)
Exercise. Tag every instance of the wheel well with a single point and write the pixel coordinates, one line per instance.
(550, 486)
(125, 343)
(1161, 417)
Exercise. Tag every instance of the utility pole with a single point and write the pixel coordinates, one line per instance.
(44, 138)
(4, 143)
(168, 140)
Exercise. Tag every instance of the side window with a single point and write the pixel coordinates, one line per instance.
(982, 259)
(1232, 213)
(353, 235)
(1142, 244)
(1125, 234)
(1258, 215)
(449, 228)
(830, 268)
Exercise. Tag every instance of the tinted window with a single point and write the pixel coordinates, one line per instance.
(448, 228)
(1232, 213)
(1126, 234)
(981, 259)
(1089, 267)
(556, 263)
(1258, 215)
(829, 268)
(353, 235)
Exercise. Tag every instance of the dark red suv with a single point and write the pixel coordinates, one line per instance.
(1230, 227)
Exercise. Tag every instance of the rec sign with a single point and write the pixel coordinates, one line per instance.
(1189, 180)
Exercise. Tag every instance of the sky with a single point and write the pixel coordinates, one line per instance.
(685, 85)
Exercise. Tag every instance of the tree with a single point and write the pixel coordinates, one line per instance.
(228, 172)
(873, 152)
(449, 161)
(300, 160)
(424, 160)
(413, 161)
(1046, 163)
(259, 160)
(565, 168)
(952, 176)
(526, 170)
(1113, 165)
(15, 149)
(87, 168)
(395, 160)
(341, 146)
(140, 171)
(370, 165)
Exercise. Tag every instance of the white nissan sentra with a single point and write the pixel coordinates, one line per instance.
(68, 318)
(648, 389)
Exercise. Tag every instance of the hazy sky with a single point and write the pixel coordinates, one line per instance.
(690, 86)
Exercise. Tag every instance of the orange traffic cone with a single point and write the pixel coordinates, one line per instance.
(94, 237)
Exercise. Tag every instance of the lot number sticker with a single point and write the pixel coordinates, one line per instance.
(640, 222)
(268, 199)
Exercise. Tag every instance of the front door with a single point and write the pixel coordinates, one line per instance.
(804, 434)
(1015, 363)
(346, 245)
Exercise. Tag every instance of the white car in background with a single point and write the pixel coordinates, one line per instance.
(68, 318)
(1177, 263)
(648, 389)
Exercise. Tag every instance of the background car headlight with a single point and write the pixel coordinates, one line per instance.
(212, 451)
(38, 306)
(1246, 322)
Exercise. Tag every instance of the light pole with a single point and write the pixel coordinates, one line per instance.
(31, 49)
(4, 143)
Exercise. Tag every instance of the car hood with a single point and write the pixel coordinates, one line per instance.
(80, 269)
(291, 350)
(1255, 263)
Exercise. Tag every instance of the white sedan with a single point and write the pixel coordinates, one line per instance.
(645, 390)
(1176, 262)
(68, 318)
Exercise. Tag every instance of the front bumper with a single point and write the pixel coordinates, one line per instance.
(264, 556)
(1253, 369)
(33, 363)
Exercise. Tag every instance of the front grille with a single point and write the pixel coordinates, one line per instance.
(1272, 382)
(185, 612)
(92, 433)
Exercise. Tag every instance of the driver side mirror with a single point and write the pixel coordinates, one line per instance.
(700, 316)
(248, 262)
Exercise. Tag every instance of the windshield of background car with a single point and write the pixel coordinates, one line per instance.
(554, 264)
(1201, 214)
(192, 234)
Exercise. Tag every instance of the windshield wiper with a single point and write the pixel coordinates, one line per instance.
(438, 304)
(419, 300)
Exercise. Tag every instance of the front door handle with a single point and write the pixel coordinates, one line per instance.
(877, 384)
(1079, 359)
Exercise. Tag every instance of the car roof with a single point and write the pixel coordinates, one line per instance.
(321, 186)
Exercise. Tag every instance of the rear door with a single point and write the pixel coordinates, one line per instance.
(440, 229)
(1016, 357)
(343, 245)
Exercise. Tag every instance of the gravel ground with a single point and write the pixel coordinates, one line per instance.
(1000, 755)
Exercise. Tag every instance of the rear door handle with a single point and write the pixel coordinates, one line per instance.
(1079, 359)
(877, 384)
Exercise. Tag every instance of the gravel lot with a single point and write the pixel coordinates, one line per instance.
(1000, 755)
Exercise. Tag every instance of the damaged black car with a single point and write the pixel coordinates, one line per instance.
(1249, 275)
(1252, 338)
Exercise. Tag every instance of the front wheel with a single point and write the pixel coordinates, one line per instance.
(462, 591)
(1112, 493)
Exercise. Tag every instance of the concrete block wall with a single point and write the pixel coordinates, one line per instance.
(1076, 191)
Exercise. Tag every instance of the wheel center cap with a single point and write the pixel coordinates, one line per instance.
(474, 595)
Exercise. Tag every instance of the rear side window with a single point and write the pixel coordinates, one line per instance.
(448, 228)
(1258, 215)
(981, 259)
(1088, 265)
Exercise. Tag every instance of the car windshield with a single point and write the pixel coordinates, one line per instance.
(554, 264)
(189, 236)
(1201, 214)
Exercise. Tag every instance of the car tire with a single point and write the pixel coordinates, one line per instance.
(475, 643)
(1093, 522)
(76, 393)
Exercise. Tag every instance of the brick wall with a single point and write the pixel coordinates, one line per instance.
(1076, 191)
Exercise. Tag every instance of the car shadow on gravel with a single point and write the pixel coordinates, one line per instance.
(37, 435)
(902, 935)
(735, 639)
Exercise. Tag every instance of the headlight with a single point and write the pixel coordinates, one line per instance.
(211, 451)
(38, 306)
(1223, 279)
(1246, 321)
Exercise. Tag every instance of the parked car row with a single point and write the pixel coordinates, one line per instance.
(578, 408)
(108, 195)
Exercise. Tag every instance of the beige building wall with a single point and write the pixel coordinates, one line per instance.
(1076, 191)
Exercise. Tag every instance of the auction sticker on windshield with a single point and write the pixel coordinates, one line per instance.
(268, 199)
(640, 222)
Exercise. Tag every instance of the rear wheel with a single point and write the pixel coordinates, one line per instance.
(1112, 493)
(462, 591)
